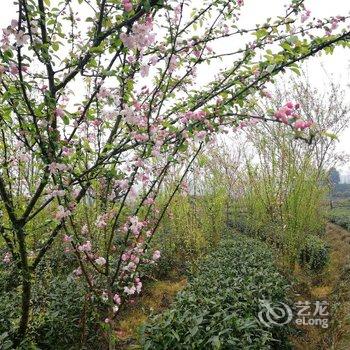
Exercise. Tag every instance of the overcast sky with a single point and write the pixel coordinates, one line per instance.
(256, 11)
(337, 65)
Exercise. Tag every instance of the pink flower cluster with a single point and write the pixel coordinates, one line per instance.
(20, 37)
(289, 115)
(55, 167)
(194, 116)
(134, 288)
(134, 225)
(62, 213)
(305, 15)
(141, 36)
(102, 220)
(101, 261)
(127, 5)
(7, 258)
(85, 247)
(131, 258)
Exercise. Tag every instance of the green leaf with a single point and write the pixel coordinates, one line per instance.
(65, 120)
(295, 70)
(55, 46)
(270, 68)
(261, 33)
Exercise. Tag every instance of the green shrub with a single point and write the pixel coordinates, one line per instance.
(341, 217)
(314, 253)
(219, 307)
(61, 316)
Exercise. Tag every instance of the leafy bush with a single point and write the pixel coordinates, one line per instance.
(219, 307)
(62, 317)
(341, 217)
(314, 253)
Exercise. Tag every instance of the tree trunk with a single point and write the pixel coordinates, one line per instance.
(26, 287)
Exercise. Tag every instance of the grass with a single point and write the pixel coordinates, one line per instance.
(340, 214)
(333, 285)
(156, 297)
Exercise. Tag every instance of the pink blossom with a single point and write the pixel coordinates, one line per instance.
(156, 255)
(266, 93)
(140, 37)
(103, 93)
(149, 201)
(7, 257)
(101, 221)
(14, 69)
(290, 105)
(305, 16)
(14, 24)
(309, 123)
(84, 230)
(67, 239)
(104, 296)
(59, 112)
(97, 122)
(131, 266)
(52, 168)
(144, 71)
(173, 63)
(334, 24)
(55, 193)
(122, 184)
(21, 38)
(130, 291)
(141, 137)
(100, 261)
(136, 225)
(299, 124)
(117, 299)
(153, 60)
(138, 287)
(201, 134)
(62, 213)
(127, 5)
(66, 151)
(115, 308)
(86, 247)
(78, 271)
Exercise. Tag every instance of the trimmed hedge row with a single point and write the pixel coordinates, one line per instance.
(219, 307)
(341, 217)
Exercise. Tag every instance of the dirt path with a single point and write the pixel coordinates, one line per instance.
(332, 285)
(339, 240)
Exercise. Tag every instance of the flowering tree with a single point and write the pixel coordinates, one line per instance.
(328, 111)
(99, 101)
